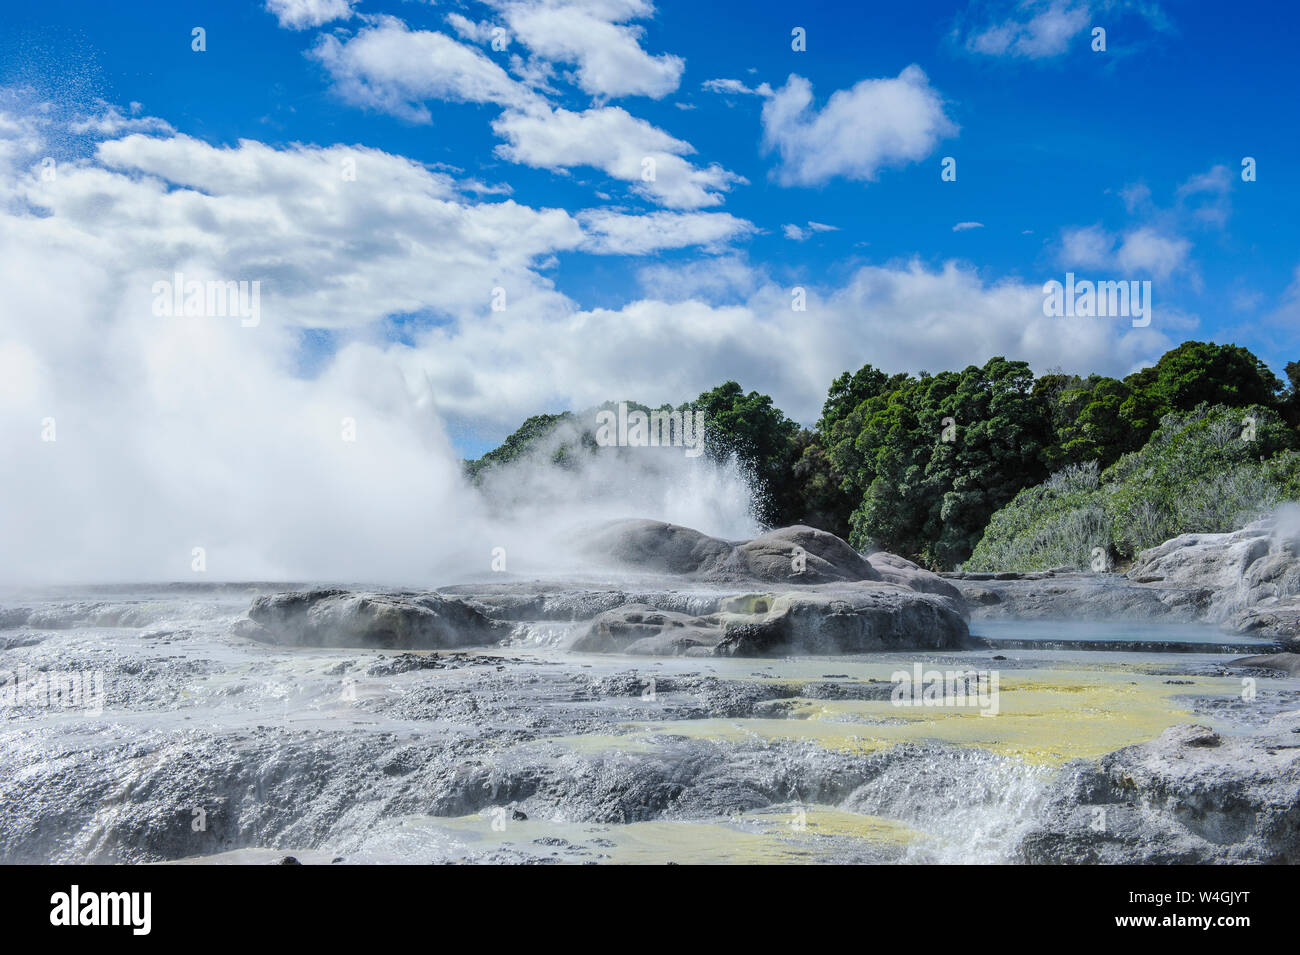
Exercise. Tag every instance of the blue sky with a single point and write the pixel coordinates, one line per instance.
(1122, 164)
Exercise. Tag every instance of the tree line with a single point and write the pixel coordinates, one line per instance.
(918, 464)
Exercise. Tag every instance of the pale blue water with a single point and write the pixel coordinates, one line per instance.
(1101, 635)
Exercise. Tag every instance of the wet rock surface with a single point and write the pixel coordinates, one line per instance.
(211, 746)
(699, 598)
(816, 620)
(642, 717)
(341, 618)
(1246, 581)
(797, 554)
(1077, 596)
(1192, 796)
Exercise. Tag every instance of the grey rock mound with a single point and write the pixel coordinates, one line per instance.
(1253, 576)
(1281, 620)
(842, 621)
(801, 554)
(657, 547)
(342, 618)
(893, 569)
(793, 590)
(829, 598)
(641, 629)
(814, 620)
(1188, 796)
(795, 554)
(1246, 581)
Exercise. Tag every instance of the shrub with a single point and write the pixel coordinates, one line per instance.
(1208, 470)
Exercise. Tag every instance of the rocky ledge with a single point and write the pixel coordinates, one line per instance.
(794, 590)
(1245, 581)
(390, 621)
(1190, 796)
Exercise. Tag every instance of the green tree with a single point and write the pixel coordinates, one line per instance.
(940, 453)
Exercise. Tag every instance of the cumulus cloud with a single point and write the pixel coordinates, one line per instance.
(877, 123)
(596, 38)
(1147, 250)
(622, 234)
(391, 68)
(303, 14)
(905, 317)
(331, 250)
(623, 146)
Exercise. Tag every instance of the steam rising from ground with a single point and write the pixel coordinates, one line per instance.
(131, 439)
(188, 433)
(543, 509)
(1286, 522)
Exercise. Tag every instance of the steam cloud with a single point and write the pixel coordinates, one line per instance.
(176, 433)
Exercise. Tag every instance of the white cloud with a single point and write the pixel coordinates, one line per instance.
(1042, 29)
(967, 226)
(876, 124)
(302, 14)
(1147, 250)
(674, 345)
(1137, 197)
(328, 251)
(1087, 246)
(729, 86)
(1035, 29)
(475, 32)
(621, 234)
(1205, 197)
(799, 233)
(388, 67)
(595, 37)
(623, 146)
(111, 121)
(721, 280)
